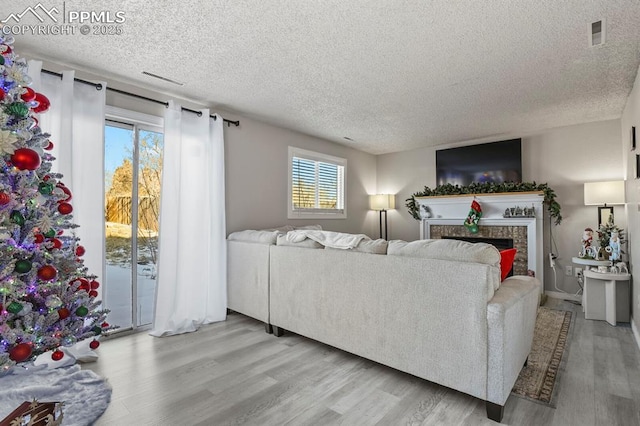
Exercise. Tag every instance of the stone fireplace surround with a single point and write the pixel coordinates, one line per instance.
(447, 215)
(516, 233)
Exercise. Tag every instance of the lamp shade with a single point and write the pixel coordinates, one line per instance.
(382, 202)
(599, 193)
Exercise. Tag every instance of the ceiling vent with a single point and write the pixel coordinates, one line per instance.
(597, 33)
(159, 77)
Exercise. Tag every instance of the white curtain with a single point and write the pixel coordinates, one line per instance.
(75, 121)
(191, 285)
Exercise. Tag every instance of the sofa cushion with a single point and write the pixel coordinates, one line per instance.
(251, 236)
(506, 262)
(306, 243)
(445, 249)
(378, 246)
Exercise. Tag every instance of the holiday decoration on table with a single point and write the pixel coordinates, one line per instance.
(47, 295)
(471, 222)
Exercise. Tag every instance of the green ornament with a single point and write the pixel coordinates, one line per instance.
(82, 311)
(23, 266)
(97, 330)
(50, 233)
(17, 109)
(1, 60)
(45, 188)
(17, 218)
(14, 307)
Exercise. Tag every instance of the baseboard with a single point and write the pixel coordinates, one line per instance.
(636, 332)
(563, 296)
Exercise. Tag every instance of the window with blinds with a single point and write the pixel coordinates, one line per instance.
(316, 185)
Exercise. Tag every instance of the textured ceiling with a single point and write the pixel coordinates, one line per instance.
(391, 75)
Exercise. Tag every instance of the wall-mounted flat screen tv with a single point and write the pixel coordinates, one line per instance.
(488, 162)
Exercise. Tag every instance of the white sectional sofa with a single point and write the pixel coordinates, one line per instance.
(432, 308)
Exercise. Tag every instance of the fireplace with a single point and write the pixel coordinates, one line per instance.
(447, 215)
(499, 243)
(516, 236)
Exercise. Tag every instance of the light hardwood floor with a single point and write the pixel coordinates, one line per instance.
(234, 373)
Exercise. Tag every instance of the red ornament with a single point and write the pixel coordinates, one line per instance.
(25, 159)
(104, 324)
(43, 103)
(94, 344)
(93, 293)
(49, 146)
(63, 313)
(57, 355)
(38, 238)
(2, 94)
(57, 244)
(80, 251)
(7, 49)
(20, 352)
(66, 190)
(84, 284)
(47, 273)
(4, 198)
(29, 95)
(94, 285)
(65, 208)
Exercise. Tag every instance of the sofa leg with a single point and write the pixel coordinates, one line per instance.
(268, 328)
(495, 411)
(229, 311)
(278, 331)
(526, 362)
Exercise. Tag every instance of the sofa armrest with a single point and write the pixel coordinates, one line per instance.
(248, 279)
(511, 319)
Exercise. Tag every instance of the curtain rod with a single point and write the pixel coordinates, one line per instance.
(98, 86)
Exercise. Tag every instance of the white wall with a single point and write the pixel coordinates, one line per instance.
(564, 158)
(631, 117)
(256, 161)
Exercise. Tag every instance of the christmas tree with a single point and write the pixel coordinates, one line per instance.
(47, 296)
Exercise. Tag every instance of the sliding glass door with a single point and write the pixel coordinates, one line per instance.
(133, 175)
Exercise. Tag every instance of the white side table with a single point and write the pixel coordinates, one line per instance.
(590, 263)
(606, 296)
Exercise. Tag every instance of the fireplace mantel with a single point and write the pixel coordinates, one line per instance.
(453, 210)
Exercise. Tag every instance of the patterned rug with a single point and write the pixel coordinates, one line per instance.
(538, 379)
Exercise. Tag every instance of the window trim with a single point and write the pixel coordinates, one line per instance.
(128, 117)
(316, 213)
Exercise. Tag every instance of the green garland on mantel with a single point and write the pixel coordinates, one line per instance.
(488, 188)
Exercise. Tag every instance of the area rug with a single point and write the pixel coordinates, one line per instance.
(539, 378)
(85, 394)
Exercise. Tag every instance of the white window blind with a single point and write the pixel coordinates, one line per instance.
(316, 184)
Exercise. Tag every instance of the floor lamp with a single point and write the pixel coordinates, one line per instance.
(382, 203)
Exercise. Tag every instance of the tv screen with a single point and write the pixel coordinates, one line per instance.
(488, 162)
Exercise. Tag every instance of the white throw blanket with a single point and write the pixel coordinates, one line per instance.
(331, 239)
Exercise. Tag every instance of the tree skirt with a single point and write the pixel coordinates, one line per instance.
(538, 379)
(85, 394)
